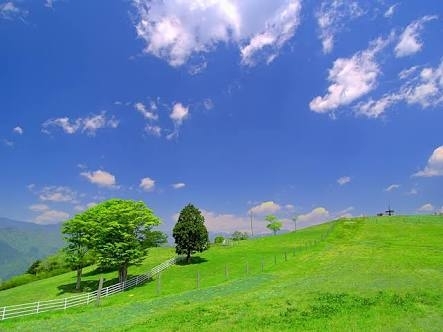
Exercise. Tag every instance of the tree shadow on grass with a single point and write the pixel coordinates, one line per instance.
(87, 286)
(194, 260)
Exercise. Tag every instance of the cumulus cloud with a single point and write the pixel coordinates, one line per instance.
(316, 216)
(147, 184)
(179, 113)
(391, 10)
(410, 42)
(175, 30)
(265, 208)
(18, 130)
(343, 180)
(9, 11)
(7, 143)
(38, 207)
(51, 217)
(434, 166)
(178, 185)
(351, 78)
(426, 208)
(57, 194)
(148, 113)
(392, 187)
(100, 178)
(331, 18)
(88, 125)
(153, 130)
(424, 88)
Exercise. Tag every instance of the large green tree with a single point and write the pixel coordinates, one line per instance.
(190, 233)
(119, 233)
(78, 235)
(273, 223)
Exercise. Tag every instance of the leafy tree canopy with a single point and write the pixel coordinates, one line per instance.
(273, 223)
(190, 233)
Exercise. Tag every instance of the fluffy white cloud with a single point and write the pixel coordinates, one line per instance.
(392, 187)
(331, 17)
(316, 216)
(424, 88)
(178, 185)
(426, 208)
(9, 11)
(153, 130)
(88, 125)
(265, 208)
(149, 114)
(8, 143)
(343, 180)
(435, 164)
(409, 42)
(18, 130)
(57, 194)
(147, 184)
(38, 207)
(100, 178)
(351, 78)
(51, 217)
(391, 10)
(179, 113)
(175, 30)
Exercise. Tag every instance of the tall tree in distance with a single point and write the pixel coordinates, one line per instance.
(190, 233)
(273, 223)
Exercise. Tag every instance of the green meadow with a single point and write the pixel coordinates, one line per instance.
(361, 274)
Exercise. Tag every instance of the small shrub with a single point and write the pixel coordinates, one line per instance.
(219, 239)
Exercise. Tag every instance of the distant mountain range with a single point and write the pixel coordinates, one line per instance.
(21, 243)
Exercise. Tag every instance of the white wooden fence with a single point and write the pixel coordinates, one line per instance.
(26, 309)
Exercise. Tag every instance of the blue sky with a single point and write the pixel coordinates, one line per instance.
(318, 109)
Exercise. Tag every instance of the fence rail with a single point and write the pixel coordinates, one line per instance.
(33, 308)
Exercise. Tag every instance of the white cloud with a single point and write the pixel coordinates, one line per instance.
(39, 207)
(392, 187)
(351, 78)
(409, 42)
(57, 194)
(426, 208)
(434, 166)
(9, 11)
(88, 125)
(51, 217)
(229, 223)
(179, 113)
(8, 143)
(18, 130)
(178, 185)
(331, 18)
(267, 207)
(424, 88)
(149, 114)
(153, 130)
(316, 216)
(343, 180)
(413, 191)
(176, 30)
(391, 10)
(208, 104)
(100, 178)
(147, 184)
(346, 213)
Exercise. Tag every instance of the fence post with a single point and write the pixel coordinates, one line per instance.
(286, 257)
(198, 279)
(99, 290)
(275, 259)
(136, 281)
(66, 302)
(262, 265)
(38, 306)
(247, 268)
(226, 271)
(3, 313)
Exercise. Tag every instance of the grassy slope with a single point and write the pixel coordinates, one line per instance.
(376, 274)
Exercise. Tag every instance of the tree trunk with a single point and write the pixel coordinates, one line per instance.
(79, 278)
(188, 256)
(123, 272)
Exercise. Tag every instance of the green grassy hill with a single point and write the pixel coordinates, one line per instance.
(21, 243)
(376, 274)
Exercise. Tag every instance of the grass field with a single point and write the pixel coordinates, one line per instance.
(376, 274)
